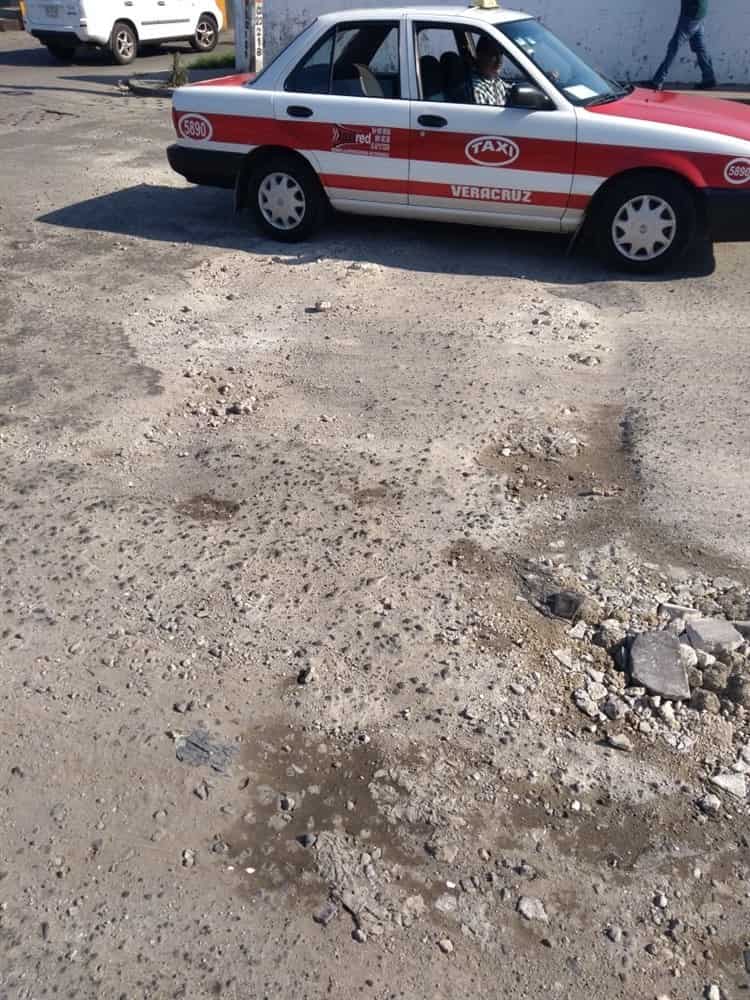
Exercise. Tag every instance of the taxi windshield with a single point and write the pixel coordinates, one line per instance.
(579, 83)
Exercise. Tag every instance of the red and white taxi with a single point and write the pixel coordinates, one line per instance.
(374, 112)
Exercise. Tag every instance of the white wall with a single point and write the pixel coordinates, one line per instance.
(624, 38)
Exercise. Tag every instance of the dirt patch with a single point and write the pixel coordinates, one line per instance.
(207, 508)
(300, 785)
(470, 558)
(586, 457)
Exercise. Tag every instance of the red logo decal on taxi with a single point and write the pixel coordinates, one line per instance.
(194, 126)
(738, 171)
(361, 139)
(492, 151)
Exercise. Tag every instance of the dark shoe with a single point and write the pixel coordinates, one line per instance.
(706, 85)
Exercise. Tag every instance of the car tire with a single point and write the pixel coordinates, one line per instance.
(206, 35)
(645, 222)
(123, 43)
(61, 53)
(286, 199)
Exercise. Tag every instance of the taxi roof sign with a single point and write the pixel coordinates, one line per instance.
(484, 4)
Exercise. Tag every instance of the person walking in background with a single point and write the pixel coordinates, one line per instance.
(689, 29)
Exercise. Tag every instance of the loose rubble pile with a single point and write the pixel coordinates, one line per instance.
(656, 651)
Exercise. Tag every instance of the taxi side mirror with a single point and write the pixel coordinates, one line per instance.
(526, 95)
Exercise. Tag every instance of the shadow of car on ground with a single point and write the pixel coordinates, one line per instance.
(205, 217)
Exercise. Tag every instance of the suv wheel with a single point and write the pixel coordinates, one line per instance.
(206, 34)
(644, 223)
(124, 44)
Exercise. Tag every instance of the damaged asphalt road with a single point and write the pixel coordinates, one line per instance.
(282, 713)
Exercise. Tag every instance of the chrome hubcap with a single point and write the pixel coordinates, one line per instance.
(282, 201)
(204, 33)
(124, 44)
(644, 228)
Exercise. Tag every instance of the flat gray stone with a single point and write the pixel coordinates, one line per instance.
(730, 781)
(656, 664)
(713, 634)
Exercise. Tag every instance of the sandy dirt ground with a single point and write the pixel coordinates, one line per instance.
(281, 715)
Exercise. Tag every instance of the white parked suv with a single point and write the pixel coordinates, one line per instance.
(121, 25)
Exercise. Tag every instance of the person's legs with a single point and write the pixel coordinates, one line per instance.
(680, 36)
(698, 45)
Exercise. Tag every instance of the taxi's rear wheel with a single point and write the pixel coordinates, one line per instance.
(286, 198)
(645, 222)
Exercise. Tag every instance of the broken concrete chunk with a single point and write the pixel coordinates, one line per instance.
(713, 634)
(656, 664)
(729, 781)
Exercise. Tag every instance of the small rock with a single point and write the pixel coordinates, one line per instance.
(584, 703)
(705, 701)
(446, 946)
(610, 633)
(731, 782)
(709, 804)
(673, 611)
(287, 803)
(661, 901)
(713, 992)
(201, 791)
(619, 741)
(322, 305)
(713, 634)
(181, 707)
(614, 933)
(325, 913)
(188, 858)
(614, 708)
(596, 692)
(738, 690)
(655, 663)
(705, 659)
(688, 655)
(716, 678)
(532, 908)
(307, 839)
(565, 604)
(306, 675)
(359, 935)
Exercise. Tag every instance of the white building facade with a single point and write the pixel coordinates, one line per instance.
(626, 39)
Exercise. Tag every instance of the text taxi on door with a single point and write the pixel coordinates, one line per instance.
(473, 115)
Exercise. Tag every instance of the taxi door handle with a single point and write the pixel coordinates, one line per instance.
(298, 111)
(432, 121)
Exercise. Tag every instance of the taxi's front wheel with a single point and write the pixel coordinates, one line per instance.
(286, 198)
(645, 222)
